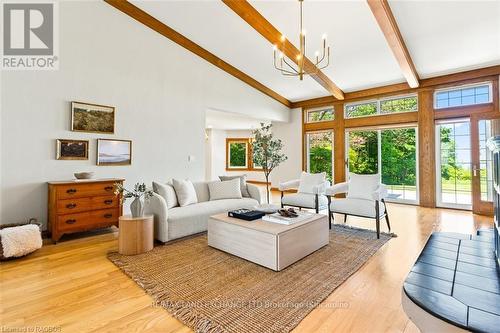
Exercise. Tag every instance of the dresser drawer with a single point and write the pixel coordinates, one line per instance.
(84, 190)
(87, 219)
(68, 206)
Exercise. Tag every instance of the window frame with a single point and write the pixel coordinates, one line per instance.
(307, 111)
(248, 158)
(462, 87)
(378, 101)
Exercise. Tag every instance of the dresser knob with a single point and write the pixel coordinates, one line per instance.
(108, 188)
(108, 202)
(71, 191)
(108, 216)
(72, 221)
(71, 205)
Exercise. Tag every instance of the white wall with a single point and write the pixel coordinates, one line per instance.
(290, 134)
(160, 90)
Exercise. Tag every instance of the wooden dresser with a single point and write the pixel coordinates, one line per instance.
(79, 205)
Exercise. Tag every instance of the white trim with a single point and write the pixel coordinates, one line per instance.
(462, 87)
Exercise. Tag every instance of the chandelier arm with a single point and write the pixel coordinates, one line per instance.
(289, 65)
(283, 71)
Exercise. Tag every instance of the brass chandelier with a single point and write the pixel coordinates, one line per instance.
(288, 69)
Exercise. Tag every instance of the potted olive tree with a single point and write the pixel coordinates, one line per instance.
(267, 154)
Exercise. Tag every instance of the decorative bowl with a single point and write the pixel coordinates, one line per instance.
(84, 175)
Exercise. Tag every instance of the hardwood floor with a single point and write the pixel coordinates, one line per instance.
(72, 287)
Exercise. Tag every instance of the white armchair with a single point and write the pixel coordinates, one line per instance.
(365, 198)
(310, 192)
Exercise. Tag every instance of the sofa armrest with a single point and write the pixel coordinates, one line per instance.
(291, 184)
(255, 192)
(320, 189)
(338, 188)
(157, 206)
(380, 193)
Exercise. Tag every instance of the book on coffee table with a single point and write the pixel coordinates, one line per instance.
(245, 214)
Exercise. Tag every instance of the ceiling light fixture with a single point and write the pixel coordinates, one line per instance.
(288, 69)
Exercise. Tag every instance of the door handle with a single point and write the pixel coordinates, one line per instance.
(474, 170)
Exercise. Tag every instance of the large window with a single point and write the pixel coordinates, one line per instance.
(382, 106)
(463, 96)
(318, 115)
(319, 147)
(390, 152)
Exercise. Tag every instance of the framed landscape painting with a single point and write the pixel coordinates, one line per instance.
(114, 152)
(92, 118)
(67, 149)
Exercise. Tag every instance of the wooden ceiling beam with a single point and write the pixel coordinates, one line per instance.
(387, 23)
(250, 15)
(158, 26)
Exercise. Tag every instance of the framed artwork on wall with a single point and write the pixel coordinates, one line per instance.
(114, 152)
(68, 149)
(93, 118)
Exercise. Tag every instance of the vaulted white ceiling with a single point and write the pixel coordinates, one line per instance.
(442, 37)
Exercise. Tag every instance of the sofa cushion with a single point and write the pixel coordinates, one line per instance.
(229, 189)
(306, 200)
(360, 207)
(309, 180)
(167, 192)
(362, 186)
(243, 183)
(201, 189)
(185, 191)
(184, 221)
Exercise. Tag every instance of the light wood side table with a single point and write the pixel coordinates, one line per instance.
(135, 235)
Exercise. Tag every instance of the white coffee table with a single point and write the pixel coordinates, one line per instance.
(272, 245)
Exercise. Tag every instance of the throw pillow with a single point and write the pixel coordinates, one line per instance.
(229, 189)
(167, 192)
(185, 191)
(243, 183)
(309, 180)
(362, 186)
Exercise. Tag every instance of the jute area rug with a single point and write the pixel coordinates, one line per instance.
(212, 291)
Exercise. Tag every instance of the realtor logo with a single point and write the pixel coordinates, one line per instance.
(29, 36)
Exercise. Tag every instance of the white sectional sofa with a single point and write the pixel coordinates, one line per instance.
(177, 222)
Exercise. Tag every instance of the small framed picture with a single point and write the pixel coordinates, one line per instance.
(92, 118)
(114, 152)
(67, 149)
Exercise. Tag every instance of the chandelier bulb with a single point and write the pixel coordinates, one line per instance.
(323, 37)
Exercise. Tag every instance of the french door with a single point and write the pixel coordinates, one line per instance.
(464, 168)
(482, 128)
